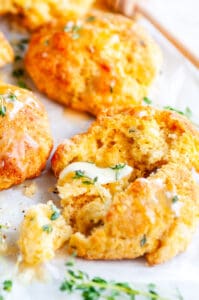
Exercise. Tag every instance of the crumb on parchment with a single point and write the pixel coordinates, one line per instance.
(30, 189)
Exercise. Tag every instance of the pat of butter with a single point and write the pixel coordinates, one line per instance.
(104, 175)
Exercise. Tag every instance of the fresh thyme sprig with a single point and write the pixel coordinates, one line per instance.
(18, 72)
(97, 288)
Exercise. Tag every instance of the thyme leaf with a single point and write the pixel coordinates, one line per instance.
(55, 213)
(79, 174)
(175, 199)
(91, 19)
(47, 228)
(85, 179)
(7, 285)
(147, 100)
(117, 169)
(2, 107)
(143, 240)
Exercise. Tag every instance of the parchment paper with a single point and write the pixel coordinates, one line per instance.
(178, 87)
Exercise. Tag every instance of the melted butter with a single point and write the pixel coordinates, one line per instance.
(104, 175)
(15, 105)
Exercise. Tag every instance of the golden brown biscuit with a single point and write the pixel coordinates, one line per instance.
(100, 61)
(34, 13)
(6, 52)
(25, 139)
(145, 212)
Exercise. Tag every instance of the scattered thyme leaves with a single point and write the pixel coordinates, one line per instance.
(47, 228)
(175, 199)
(18, 72)
(143, 240)
(21, 45)
(132, 130)
(55, 213)
(12, 97)
(79, 174)
(70, 263)
(117, 168)
(18, 57)
(73, 29)
(96, 288)
(90, 181)
(91, 19)
(85, 179)
(22, 84)
(7, 285)
(147, 100)
(2, 110)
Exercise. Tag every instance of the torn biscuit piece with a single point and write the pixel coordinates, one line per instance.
(42, 232)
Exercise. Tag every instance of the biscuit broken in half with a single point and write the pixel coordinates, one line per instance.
(127, 189)
(152, 209)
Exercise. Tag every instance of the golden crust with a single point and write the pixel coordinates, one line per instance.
(150, 210)
(154, 136)
(6, 52)
(141, 220)
(100, 61)
(25, 139)
(34, 13)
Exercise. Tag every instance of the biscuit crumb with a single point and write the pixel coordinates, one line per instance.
(30, 189)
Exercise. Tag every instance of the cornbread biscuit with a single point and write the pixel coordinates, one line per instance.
(25, 138)
(34, 13)
(100, 61)
(154, 210)
(6, 52)
(41, 233)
